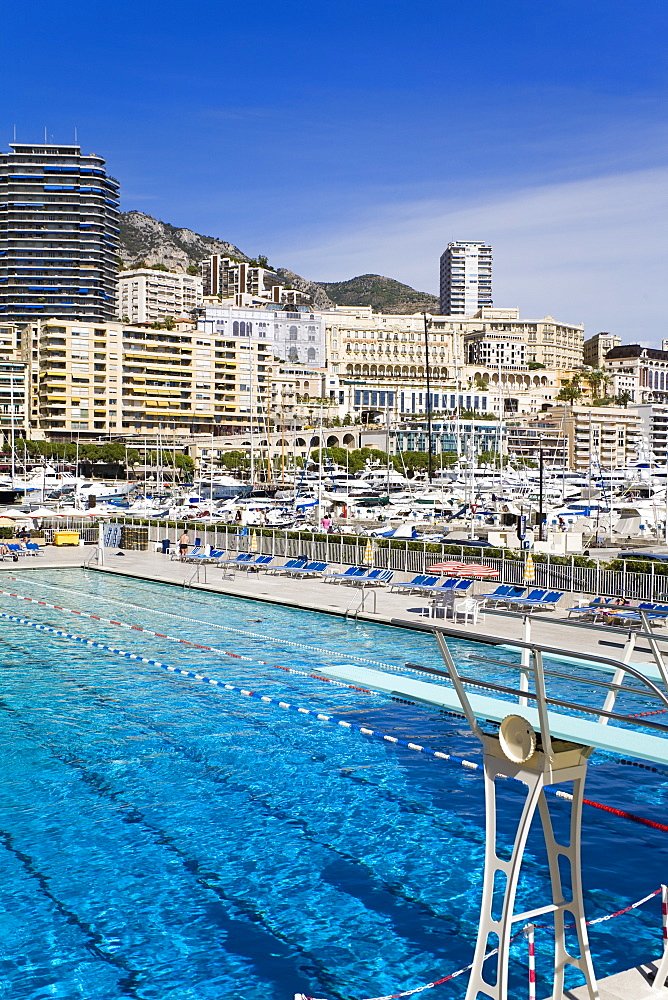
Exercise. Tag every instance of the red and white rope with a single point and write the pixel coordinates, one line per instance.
(460, 972)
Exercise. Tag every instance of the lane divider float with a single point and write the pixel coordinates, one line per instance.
(225, 628)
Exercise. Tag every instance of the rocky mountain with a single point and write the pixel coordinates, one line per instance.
(144, 238)
(382, 294)
(150, 241)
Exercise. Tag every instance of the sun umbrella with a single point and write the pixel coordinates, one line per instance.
(478, 571)
(447, 568)
(529, 569)
(7, 521)
(253, 547)
(367, 559)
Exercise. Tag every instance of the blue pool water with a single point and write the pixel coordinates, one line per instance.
(165, 839)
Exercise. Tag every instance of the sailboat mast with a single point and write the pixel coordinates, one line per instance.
(11, 407)
(426, 358)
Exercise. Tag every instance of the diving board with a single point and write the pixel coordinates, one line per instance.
(562, 727)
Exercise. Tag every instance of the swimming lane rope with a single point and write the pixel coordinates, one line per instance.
(188, 642)
(320, 716)
(223, 628)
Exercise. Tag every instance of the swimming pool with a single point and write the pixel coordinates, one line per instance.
(166, 839)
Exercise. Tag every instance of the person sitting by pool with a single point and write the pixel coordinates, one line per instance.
(183, 545)
(621, 602)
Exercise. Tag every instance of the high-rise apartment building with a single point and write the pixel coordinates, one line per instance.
(147, 295)
(466, 278)
(59, 235)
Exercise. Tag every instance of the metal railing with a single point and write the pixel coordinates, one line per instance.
(412, 558)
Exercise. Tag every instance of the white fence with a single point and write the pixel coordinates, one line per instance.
(412, 557)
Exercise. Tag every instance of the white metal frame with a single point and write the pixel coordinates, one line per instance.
(552, 763)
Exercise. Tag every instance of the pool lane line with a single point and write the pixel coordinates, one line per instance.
(459, 972)
(320, 716)
(195, 645)
(223, 628)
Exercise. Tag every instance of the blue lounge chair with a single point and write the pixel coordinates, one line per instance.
(546, 601)
(504, 593)
(311, 569)
(240, 560)
(656, 609)
(33, 549)
(536, 594)
(195, 552)
(375, 578)
(355, 572)
(198, 554)
(415, 582)
(592, 609)
(449, 586)
(215, 556)
(429, 584)
(290, 564)
(263, 562)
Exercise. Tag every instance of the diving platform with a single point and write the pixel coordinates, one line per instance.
(539, 715)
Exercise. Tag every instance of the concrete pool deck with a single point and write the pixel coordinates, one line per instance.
(381, 606)
(634, 984)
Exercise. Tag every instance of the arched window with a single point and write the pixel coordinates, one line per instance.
(293, 333)
(235, 328)
(311, 354)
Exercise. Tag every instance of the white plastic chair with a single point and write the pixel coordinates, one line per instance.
(468, 610)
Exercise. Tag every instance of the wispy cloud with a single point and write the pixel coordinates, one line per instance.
(592, 251)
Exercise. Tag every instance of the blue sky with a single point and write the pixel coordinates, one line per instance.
(346, 138)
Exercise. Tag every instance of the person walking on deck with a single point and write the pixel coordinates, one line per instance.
(183, 545)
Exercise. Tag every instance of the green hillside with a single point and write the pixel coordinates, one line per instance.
(382, 294)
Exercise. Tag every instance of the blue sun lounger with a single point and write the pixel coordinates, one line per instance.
(311, 569)
(290, 564)
(414, 584)
(504, 593)
(355, 572)
(376, 578)
(546, 600)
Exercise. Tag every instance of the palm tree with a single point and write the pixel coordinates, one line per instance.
(570, 391)
(596, 378)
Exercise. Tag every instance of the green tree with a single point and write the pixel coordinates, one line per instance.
(596, 379)
(570, 391)
(113, 453)
(192, 269)
(623, 398)
(159, 267)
